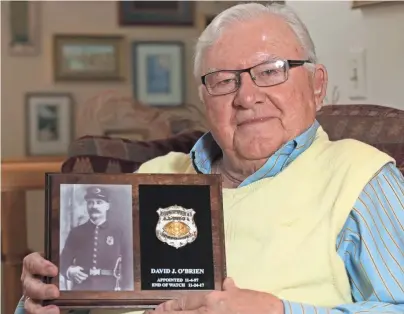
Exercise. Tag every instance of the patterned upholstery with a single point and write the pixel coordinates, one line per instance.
(101, 154)
(380, 126)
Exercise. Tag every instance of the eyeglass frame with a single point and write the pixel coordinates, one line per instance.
(290, 65)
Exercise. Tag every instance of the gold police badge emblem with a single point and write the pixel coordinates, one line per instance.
(176, 226)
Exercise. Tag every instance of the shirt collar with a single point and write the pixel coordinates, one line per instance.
(102, 225)
(206, 150)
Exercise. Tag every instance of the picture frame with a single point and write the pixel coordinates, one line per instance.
(167, 241)
(156, 13)
(49, 120)
(365, 3)
(158, 71)
(204, 20)
(23, 27)
(88, 58)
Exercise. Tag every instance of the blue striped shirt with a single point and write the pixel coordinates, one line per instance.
(371, 243)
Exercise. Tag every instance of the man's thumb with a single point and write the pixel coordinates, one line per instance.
(229, 284)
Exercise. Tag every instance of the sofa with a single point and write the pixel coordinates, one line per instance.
(379, 126)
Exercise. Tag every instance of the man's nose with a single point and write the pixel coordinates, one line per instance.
(248, 93)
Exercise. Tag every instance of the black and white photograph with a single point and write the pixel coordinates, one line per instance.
(96, 238)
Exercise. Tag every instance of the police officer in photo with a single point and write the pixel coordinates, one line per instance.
(94, 256)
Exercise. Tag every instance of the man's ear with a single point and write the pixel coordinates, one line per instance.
(200, 93)
(320, 82)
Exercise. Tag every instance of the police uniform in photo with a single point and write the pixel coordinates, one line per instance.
(99, 250)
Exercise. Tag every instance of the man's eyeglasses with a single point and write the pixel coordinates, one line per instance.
(265, 74)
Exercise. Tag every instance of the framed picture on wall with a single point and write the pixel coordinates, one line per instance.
(159, 73)
(364, 3)
(88, 58)
(159, 13)
(204, 20)
(49, 123)
(23, 27)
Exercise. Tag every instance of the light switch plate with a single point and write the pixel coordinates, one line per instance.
(357, 74)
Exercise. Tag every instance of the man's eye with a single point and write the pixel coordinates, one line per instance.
(224, 82)
(267, 72)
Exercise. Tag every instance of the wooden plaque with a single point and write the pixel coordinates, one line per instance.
(133, 240)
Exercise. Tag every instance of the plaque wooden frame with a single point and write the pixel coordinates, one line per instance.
(136, 299)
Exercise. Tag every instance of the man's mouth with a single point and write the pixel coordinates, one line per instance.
(254, 121)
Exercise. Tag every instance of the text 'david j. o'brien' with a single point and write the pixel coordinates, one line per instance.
(177, 278)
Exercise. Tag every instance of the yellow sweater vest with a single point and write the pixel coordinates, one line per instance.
(281, 232)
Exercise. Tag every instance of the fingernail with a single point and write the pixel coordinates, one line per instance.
(51, 293)
(50, 268)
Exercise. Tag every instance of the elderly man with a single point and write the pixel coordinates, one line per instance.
(311, 225)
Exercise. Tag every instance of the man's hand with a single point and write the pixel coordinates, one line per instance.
(75, 273)
(35, 290)
(230, 301)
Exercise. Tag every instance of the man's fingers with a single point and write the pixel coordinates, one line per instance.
(189, 302)
(229, 284)
(35, 264)
(38, 290)
(31, 307)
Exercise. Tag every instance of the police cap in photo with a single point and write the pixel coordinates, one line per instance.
(97, 192)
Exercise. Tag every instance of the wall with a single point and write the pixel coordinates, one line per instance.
(334, 25)
(336, 29)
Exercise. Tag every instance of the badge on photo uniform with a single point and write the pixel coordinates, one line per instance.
(176, 226)
(110, 240)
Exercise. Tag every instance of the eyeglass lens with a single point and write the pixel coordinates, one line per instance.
(266, 74)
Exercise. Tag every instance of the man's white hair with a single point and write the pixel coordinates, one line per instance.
(247, 11)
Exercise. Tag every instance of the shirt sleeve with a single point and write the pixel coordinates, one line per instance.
(371, 244)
